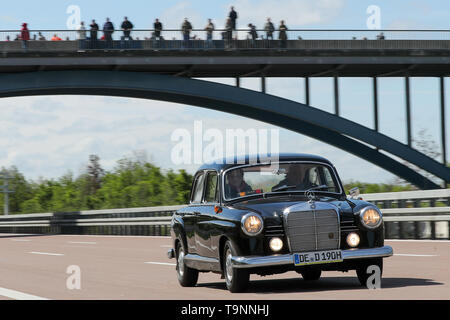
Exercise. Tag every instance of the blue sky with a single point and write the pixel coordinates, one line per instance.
(47, 136)
(51, 14)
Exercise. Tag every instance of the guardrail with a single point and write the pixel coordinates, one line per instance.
(414, 214)
(221, 39)
(407, 215)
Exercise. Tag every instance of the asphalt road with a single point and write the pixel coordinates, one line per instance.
(121, 267)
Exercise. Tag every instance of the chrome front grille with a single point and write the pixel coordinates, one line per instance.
(313, 230)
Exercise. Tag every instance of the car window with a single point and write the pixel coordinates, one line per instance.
(198, 189)
(211, 194)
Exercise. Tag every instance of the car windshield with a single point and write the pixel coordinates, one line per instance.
(286, 177)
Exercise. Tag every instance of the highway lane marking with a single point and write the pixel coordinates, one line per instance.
(83, 242)
(46, 253)
(166, 246)
(110, 236)
(162, 263)
(414, 255)
(20, 240)
(17, 295)
(413, 240)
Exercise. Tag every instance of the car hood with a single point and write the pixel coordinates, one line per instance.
(275, 207)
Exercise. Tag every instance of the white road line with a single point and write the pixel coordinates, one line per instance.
(47, 253)
(413, 240)
(414, 255)
(166, 246)
(17, 295)
(162, 263)
(82, 242)
(110, 236)
(20, 240)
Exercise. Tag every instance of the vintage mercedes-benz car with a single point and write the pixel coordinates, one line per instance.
(272, 217)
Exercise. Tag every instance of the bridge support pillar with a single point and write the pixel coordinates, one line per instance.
(336, 95)
(443, 128)
(375, 104)
(307, 91)
(408, 111)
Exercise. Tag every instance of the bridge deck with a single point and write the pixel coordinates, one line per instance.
(301, 58)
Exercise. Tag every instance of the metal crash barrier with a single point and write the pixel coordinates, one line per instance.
(406, 215)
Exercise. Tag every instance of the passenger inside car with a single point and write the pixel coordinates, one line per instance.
(236, 185)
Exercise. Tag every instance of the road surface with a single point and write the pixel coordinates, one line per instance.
(127, 267)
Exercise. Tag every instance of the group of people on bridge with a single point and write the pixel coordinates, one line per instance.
(85, 35)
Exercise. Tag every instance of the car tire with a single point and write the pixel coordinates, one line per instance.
(361, 270)
(311, 274)
(187, 277)
(236, 279)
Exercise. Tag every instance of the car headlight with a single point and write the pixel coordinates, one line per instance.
(276, 244)
(252, 224)
(371, 217)
(353, 239)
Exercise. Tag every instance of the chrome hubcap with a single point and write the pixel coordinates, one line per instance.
(229, 266)
(181, 263)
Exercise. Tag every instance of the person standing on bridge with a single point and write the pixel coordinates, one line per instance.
(127, 26)
(25, 36)
(94, 30)
(94, 34)
(108, 30)
(209, 33)
(81, 35)
(282, 35)
(269, 28)
(158, 28)
(228, 33)
(233, 17)
(186, 29)
(253, 34)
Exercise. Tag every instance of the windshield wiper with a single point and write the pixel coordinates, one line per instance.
(284, 187)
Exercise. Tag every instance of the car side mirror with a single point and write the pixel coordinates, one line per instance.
(354, 192)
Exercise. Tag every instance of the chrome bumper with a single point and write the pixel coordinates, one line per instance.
(286, 259)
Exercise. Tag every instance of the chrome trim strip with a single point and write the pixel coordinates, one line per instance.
(195, 261)
(287, 259)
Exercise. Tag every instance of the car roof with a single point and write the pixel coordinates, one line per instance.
(226, 163)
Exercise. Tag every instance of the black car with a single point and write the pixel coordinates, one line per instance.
(266, 217)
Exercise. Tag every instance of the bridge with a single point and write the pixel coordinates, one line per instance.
(164, 70)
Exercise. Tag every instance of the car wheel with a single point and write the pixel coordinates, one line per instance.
(361, 271)
(187, 277)
(236, 279)
(311, 274)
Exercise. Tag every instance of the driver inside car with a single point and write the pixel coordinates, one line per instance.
(236, 184)
(296, 177)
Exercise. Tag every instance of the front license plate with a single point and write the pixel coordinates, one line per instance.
(316, 257)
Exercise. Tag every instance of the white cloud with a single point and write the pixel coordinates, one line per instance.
(294, 12)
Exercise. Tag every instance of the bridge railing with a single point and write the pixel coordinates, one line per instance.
(407, 215)
(172, 39)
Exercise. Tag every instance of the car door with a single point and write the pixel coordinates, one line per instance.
(191, 214)
(206, 215)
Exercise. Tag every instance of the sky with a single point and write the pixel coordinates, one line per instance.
(48, 136)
